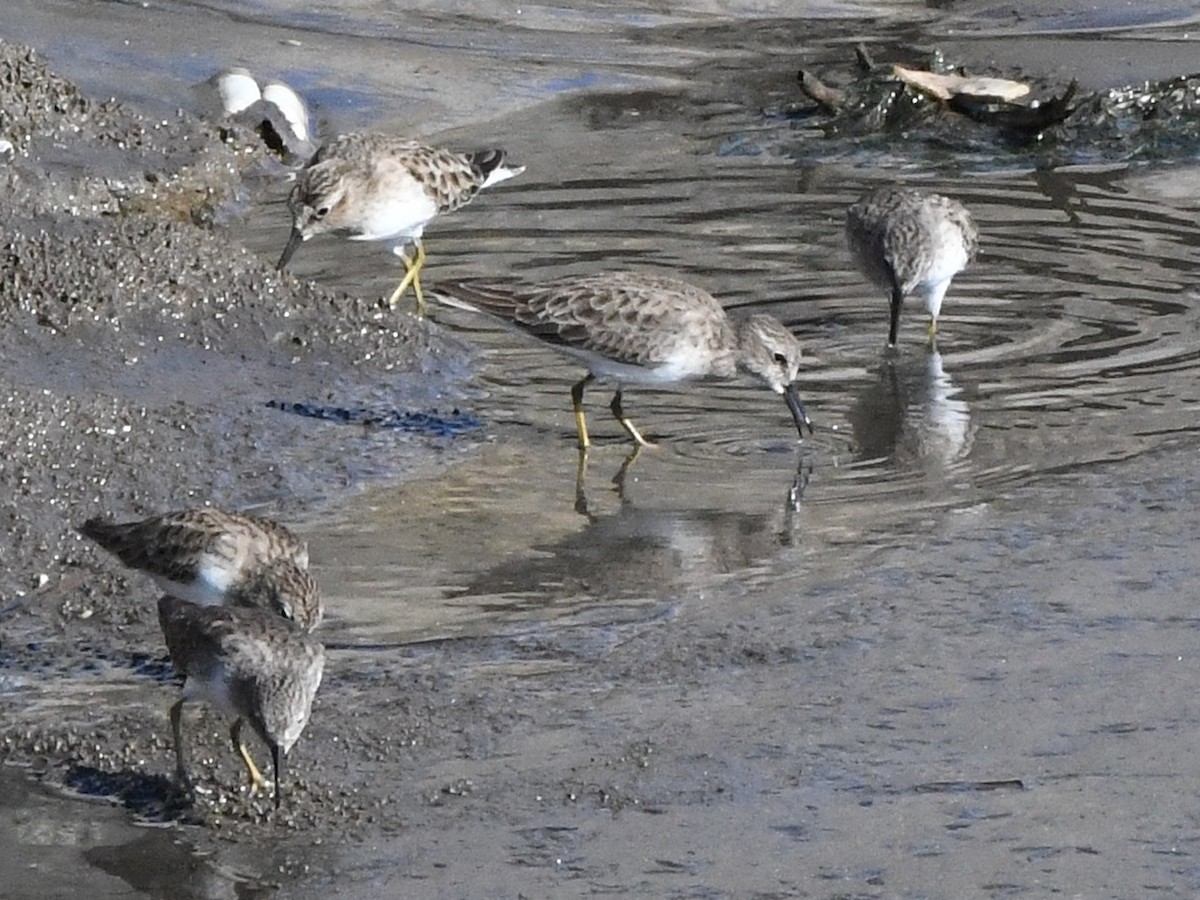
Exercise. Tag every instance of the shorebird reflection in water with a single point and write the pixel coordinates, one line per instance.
(913, 417)
(634, 328)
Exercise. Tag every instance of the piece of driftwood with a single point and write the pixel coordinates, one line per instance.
(1002, 102)
(828, 98)
(945, 86)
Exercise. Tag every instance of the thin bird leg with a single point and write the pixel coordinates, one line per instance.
(412, 276)
(632, 431)
(581, 504)
(278, 758)
(932, 330)
(577, 400)
(181, 775)
(894, 327)
(256, 777)
(418, 265)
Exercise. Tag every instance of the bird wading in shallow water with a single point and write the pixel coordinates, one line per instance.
(373, 187)
(252, 666)
(633, 328)
(213, 557)
(911, 243)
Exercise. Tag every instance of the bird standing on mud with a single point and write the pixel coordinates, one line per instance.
(250, 665)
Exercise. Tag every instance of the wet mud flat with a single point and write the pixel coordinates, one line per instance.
(996, 701)
(150, 363)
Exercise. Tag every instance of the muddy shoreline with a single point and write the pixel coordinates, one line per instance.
(141, 351)
(897, 696)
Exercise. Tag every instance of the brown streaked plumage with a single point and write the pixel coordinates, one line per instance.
(213, 557)
(250, 664)
(375, 187)
(637, 328)
(910, 242)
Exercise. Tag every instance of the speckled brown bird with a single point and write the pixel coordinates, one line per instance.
(910, 242)
(251, 665)
(374, 187)
(640, 328)
(213, 557)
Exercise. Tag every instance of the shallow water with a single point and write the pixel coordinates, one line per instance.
(1069, 342)
(977, 557)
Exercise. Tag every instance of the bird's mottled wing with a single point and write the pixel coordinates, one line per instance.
(629, 317)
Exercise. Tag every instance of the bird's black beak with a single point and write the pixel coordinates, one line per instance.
(799, 413)
(294, 241)
(278, 758)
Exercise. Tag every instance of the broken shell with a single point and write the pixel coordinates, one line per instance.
(943, 87)
(288, 102)
(237, 90)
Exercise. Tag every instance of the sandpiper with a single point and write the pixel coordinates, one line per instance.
(373, 187)
(635, 328)
(251, 665)
(910, 242)
(213, 557)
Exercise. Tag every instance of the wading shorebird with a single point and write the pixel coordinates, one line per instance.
(911, 243)
(633, 328)
(373, 187)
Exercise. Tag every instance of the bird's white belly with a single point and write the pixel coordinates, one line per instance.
(208, 589)
(681, 367)
(951, 260)
(403, 217)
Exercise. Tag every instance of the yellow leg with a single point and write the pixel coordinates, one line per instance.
(580, 421)
(629, 427)
(418, 265)
(256, 777)
(932, 330)
(412, 276)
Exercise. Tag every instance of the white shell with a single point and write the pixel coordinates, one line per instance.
(237, 89)
(289, 103)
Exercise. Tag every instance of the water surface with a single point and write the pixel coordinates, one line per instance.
(972, 571)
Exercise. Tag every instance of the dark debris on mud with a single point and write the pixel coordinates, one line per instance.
(1055, 123)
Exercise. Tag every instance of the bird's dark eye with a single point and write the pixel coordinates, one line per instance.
(781, 359)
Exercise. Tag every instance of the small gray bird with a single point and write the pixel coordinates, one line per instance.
(911, 243)
(251, 665)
